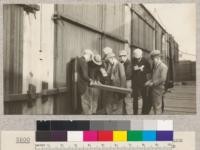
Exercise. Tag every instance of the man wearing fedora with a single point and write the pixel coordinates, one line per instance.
(157, 81)
(90, 102)
(116, 77)
(128, 100)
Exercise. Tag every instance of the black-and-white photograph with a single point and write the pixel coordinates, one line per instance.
(99, 59)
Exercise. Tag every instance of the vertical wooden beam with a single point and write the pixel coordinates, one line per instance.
(44, 86)
(38, 56)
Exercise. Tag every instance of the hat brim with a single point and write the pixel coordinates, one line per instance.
(110, 56)
(156, 55)
(137, 57)
(97, 63)
(122, 55)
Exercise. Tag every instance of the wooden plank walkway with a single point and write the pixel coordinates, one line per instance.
(181, 100)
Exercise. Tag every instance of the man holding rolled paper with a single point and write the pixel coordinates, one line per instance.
(117, 78)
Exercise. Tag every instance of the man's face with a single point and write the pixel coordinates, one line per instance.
(155, 60)
(111, 60)
(123, 58)
(88, 57)
(137, 59)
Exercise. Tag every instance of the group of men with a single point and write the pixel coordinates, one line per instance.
(146, 80)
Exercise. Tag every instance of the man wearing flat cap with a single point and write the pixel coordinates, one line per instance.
(128, 101)
(159, 75)
(116, 77)
(141, 71)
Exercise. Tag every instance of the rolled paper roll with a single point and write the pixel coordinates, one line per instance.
(103, 72)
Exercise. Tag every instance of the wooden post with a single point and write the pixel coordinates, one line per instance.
(31, 94)
(38, 58)
(44, 86)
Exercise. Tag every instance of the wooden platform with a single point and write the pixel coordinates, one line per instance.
(181, 100)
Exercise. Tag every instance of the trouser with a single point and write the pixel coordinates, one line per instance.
(157, 101)
(114, 104)
(146, 101)
(89, 101)
(128, 100)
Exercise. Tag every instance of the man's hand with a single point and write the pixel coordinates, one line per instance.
(98, 82)
(91, 82)
(141, 68)
(136, 67)
(149, 83)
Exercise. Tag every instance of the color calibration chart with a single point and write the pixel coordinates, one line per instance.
(100, 135)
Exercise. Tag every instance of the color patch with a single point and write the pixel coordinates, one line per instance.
(43, 136)
(59, 125)
(90, 136)
(83, 125)
(97, 125)
(59, 136)
(75, 136)
(43, 125)
(119, 136)
(164, 135)
(150, 125)
(149, 135)
(109, 125)
(105, 136)
(135, 135)
(165, 125)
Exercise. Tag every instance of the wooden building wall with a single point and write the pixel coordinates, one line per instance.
(143, 29)
(71, 39)
(28, 56)
(38, 50)
(13, 54)
(186, 71)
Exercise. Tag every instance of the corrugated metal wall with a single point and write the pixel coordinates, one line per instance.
(13, 54)
(72, 39)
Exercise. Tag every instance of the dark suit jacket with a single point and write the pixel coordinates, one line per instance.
(82, 73)
(140, 77)
(128, 69)
(94, 71)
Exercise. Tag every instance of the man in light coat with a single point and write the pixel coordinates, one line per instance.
(157, 82)
(116, 77)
